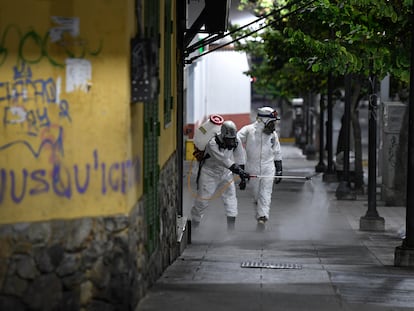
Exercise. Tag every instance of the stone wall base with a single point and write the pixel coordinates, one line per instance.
(97, 263)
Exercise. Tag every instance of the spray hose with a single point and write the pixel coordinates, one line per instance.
(218, 192)
(282, 176)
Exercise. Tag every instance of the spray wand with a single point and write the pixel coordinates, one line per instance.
(282, 176)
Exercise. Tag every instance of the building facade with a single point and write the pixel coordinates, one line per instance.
(89, 181)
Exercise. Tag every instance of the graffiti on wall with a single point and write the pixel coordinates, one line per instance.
(33, 47)
(63, 181)
(34, 114)
(29, 105)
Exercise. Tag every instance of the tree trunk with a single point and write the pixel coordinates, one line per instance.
(355, 141)
(359, 173)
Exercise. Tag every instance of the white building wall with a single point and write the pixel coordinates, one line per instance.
(189, 77)
(200, 92)
(228, 88)
(219, 86)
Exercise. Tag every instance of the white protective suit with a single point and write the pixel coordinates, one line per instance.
(215, 175)
(261, 152)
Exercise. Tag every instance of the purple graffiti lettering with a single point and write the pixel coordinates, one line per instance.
(42, 185)
(58, 183)
(95, 160)
(56, 145)
(49, 90)
(43, 118)
(114, 185)
(103, 178)
(82, 189)
(19, 91)
(22, 72)
(18, 199)
(27, 89)
(31, 123)
(6, 87)
(31, 119)
(124, 178)
(43, 89)
(64, 110)
(2, 184)
(35, 88)
(115, 177)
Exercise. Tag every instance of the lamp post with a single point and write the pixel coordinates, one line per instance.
(372, 221)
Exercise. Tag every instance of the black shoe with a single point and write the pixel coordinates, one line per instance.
(231, 222)
(261, 224)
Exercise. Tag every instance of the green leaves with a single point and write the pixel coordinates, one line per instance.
(361, 37)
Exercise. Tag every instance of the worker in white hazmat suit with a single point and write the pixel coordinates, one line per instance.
(223, 157)
(264, 158)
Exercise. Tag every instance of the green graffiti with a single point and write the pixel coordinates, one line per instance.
(3, 49)
(98, 50)
(37, 40)
(42, 44)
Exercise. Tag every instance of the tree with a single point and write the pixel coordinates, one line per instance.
(306, 40)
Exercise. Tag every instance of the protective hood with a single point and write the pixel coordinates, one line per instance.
(266, 114)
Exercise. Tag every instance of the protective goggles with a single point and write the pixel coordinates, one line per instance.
(271, 115)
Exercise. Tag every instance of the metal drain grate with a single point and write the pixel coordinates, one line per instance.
(267, 265)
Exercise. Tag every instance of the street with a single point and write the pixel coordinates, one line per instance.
(312, 255)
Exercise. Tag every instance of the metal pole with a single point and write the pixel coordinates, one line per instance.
(320, 167)
(372, 221)
(372, 152)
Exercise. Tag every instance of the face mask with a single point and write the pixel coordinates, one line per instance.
(269, 127)
(230, 143)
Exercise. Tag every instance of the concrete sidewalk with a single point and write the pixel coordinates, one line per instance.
(312, 255)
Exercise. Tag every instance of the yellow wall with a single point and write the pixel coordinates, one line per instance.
(66, 148)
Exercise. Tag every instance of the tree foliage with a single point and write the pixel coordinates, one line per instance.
(300, 42)
(304, 40)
